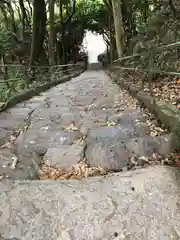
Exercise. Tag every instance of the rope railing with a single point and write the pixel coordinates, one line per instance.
(38, 66)
(152, 59)
(15, 79)
(125, 58)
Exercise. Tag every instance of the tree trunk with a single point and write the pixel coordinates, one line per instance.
(5, 16)
(111, 40)
(24, 16)
(51, 33)
(128, 21)
(30, 12)
(63, 61)
(64, 26)
(39, 30)
(118, 24)
(12, 17)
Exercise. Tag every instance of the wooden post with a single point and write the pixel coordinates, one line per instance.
(26, 77)
(150, 71)
(150, 75)
(5, 71)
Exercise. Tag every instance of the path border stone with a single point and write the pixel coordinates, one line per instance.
(37, 90)
(168, 114)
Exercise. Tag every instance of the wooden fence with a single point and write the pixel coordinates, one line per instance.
(151, 56)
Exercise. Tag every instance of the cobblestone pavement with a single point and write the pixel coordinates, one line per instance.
(116, 130)
(88, 118)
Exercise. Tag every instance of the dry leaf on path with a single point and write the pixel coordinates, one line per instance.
(144, 159)
(109, 124)
(165, 88)
(64, 236)
(133, 161)
(14, 162)
(79, 171)
(2, 104)
(80, 141)
(71, 128)
(1, 177)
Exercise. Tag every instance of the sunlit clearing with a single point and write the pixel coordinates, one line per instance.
(95, 45)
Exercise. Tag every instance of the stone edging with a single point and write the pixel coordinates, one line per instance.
(37, 90)
(168, 114)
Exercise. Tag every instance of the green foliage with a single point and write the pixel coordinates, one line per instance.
(6, 40)
(92, 14)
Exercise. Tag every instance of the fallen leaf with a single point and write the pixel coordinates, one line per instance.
(154, 156)
(12, 138)
(71, 127)
(79, 171)
(153, 134)
(165, 88)
(146, 89)
(144, 159)
(80, 141)
(64, 235)
(14, 162)
(109, 124)
(133, 160)
(2, 104)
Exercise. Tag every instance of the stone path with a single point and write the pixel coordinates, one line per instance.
(142, 204)
(52, 125)
(88, 118)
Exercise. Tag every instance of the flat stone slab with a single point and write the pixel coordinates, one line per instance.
(64, 157)
(107, 155)
(146, 146)
(143, 204)
(108, 134)
(116, 133)
(18, 165)
(41, 140)
(114, 154)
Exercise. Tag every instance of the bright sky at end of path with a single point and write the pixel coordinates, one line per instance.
(94, 45)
